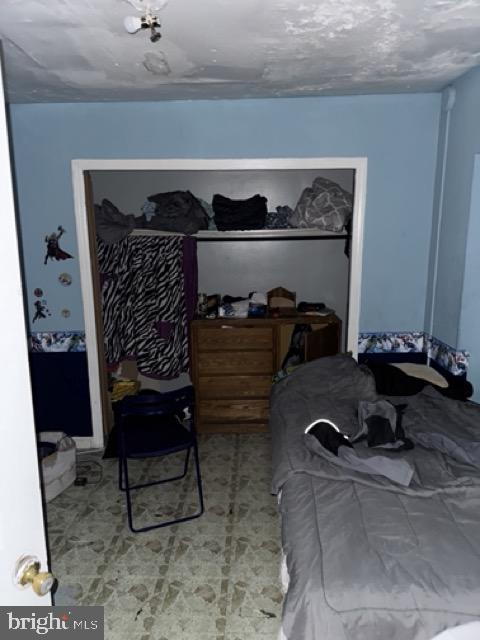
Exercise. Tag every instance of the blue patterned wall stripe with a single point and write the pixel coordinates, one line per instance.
(57, 341)
(452, 360)
(391, 342)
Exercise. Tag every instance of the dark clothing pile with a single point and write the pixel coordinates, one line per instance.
(177, 211)
(278, 219)
(112, 225)
(324, 205)
(391, 381)
(379, 424)
(330, 437)
(239, 215)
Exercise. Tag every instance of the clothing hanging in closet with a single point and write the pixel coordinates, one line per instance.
(149, 289)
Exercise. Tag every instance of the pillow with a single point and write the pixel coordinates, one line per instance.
(422, 371)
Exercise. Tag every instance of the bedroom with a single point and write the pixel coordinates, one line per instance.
(401, 134)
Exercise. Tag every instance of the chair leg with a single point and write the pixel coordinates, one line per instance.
(185, 466)
(120, 478)
(199, 478)
(124, 469)
(127, 493)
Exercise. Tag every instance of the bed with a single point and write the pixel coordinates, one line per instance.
(367, 558)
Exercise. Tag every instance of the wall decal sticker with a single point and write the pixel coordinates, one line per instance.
(65, 313)
(41, 310)
(65, 279)
(53, 248)
(38, 293)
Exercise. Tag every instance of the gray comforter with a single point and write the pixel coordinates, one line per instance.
(369, 559)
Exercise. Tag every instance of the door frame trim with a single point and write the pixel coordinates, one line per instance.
(79, 166)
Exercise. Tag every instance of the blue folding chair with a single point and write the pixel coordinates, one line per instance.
(154, 425)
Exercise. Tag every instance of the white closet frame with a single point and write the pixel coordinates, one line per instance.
(80, 166)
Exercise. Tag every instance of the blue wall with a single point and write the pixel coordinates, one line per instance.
(469, 335)
(456, 310)
(398, 134)
(463, 143)
(437, 207)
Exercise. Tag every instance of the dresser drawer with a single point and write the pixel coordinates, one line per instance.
(217, 411)
(233, 427)
(230, 338)
(235, 362)
(234, 386)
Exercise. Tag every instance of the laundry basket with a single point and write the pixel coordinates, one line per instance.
(58, 462)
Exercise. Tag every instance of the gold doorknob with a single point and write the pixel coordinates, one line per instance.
(28, 573)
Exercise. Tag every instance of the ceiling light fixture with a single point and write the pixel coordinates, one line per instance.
(133, 24)
(148, 20)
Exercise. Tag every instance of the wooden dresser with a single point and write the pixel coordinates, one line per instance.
(233, 362)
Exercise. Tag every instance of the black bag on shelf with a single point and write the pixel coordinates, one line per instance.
(239, 215)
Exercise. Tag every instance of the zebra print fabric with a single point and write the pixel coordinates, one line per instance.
(144, 305)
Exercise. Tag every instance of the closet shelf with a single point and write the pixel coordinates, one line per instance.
(255, 234)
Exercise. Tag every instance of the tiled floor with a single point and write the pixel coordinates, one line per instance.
(213, 578)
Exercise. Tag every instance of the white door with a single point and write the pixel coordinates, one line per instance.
(21, 515)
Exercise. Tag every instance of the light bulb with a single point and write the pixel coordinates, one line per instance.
(132, 24)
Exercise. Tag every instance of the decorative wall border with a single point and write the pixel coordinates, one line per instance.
(392, 342)
(454, 361)
(57, 341)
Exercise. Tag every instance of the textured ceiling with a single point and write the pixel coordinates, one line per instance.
(78, 50)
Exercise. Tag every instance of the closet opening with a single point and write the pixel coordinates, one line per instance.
(318, 265)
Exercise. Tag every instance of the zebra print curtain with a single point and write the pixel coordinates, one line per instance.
(148, 285)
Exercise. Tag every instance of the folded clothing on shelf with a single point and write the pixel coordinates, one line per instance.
(324, 205)
(257, 310)
(255, 306)
(279, 219)
(239, 215)
(177, 211)
(314, 309)
(234, 309)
